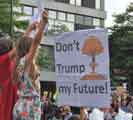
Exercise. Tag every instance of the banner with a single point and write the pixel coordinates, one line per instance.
(82, 68)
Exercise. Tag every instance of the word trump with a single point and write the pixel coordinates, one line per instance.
(70, 68)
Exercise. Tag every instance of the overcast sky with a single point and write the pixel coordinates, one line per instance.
(114, 7)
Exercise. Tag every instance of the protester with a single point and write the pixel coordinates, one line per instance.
(66, 112)
(130, 104)
(28, 107)
(8, 90)
(124, 103)
(96, 115)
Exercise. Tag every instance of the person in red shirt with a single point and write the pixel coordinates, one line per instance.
(8, 90)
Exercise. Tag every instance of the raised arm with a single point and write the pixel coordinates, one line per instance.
(38, 36)
(28, 31)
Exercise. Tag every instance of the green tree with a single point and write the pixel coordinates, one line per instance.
(45, 58)
(121, 43)
(8, 16)
(5, 12)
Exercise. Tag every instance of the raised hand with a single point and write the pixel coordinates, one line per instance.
(45, 16)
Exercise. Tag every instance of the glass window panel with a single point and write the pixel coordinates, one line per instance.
(35, 11)
(78, 2)
(87, 20)
(28, 10)
(61, 16)
(79, 19)
(50, 24)
(102, 23)
(80, 27)
(60, 27)
(98, 4)
(72, 2)
(70, 17)
(65, 1)
(85, 3)
(52, 14)
(56, 27)
(96, 22)
(88, 3)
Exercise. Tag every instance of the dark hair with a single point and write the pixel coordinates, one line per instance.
(6, 45)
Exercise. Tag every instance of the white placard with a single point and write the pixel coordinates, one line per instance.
(82, 68)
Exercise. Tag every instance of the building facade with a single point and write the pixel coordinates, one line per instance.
(75, 14)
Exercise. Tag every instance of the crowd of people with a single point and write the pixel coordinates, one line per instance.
(121, 108)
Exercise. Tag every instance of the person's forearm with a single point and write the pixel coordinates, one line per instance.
(28, 31)
(39, 33)
(38, 36)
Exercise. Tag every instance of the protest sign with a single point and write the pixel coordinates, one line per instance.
(82, 68)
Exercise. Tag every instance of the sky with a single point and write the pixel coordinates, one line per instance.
(114, 7)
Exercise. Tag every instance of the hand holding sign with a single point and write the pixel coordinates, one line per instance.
(45, 17)
(37, 17)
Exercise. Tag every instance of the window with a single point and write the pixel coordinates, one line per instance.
(98, 4)
(61, 16)
(61, 26)
(88, 3)
(72, 2)
(35, 11)
(78, 2)
(79, 19)
(28, 10)
(64, 1)
(70, 17)
(87, 20)
(56, 27)
(96, 22)
(75, 2)
(52, 14)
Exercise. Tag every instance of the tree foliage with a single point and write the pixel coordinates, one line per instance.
(5, 9)
(8, 16)
(121, 44)
(45, 58)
